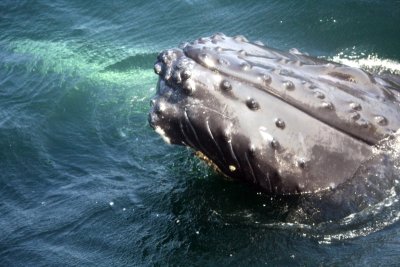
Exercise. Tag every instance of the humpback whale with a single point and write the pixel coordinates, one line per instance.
(286, 122)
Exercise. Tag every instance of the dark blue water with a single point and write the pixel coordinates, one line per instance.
(84, 181)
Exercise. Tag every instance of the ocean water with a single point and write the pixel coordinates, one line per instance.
(84, 181)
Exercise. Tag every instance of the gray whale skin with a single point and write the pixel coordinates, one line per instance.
(286, 122)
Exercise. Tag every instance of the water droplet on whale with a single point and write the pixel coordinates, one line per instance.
(232, 168)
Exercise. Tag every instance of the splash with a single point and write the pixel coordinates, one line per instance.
(370, 62)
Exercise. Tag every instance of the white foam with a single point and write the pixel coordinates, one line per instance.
(371, 63)
(161, 132)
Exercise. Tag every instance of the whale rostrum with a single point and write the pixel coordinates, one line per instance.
(283, 121)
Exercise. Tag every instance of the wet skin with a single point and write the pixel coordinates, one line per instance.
(283, 121)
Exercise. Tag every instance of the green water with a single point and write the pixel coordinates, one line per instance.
(84, 181)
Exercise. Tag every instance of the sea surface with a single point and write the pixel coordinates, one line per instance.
(84, 180)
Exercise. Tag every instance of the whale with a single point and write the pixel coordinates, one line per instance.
(283, 121)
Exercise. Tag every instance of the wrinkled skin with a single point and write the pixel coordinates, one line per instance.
(283, 121)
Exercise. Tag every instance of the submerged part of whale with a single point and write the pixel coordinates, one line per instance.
(284, 121)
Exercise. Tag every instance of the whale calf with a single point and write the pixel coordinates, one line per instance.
(286, 122)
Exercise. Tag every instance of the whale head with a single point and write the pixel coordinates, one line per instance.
(283, 121)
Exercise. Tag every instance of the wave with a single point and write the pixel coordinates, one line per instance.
(371, 62)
